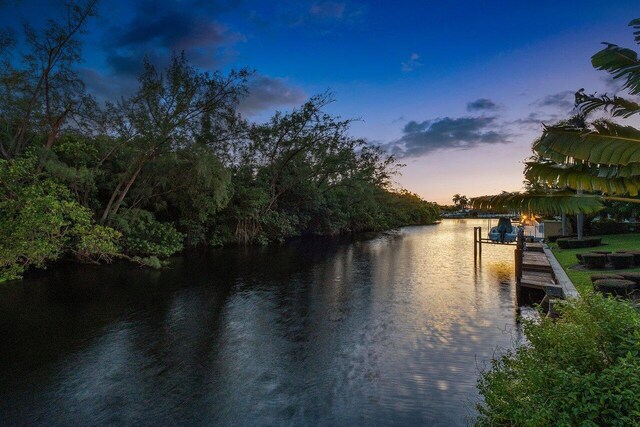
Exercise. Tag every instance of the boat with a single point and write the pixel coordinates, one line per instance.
(504, 232)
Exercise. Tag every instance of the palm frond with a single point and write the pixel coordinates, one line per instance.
(621, 63)
(590, 178)
(604, 143)
(552, 203)
(636, 26)
(616, 106)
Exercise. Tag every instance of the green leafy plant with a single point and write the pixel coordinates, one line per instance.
(144, 236)
(582, 369)
(40, 222)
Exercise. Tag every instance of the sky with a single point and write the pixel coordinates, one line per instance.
(456, 90)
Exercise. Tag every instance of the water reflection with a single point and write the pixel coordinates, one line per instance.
(383, 330)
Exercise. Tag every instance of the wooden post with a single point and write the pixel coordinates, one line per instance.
(480, 242)
(518, 255)
(475, 244)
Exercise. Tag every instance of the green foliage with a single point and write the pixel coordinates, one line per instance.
(583, 369)
(601, 143)
(145, 236)
(174, 164)
(460, 200)
(96, 243)
(40, 90)
(40, 222)
(608, 226)
(547, 202)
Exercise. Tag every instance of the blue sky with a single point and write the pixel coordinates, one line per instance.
(456, 89)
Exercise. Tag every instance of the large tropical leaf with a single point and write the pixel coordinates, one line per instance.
(604, 143)
(621, 63)
(590, 178)
(553, 203)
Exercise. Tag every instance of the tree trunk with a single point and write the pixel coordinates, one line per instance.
(580, 225)
(105, 214)
(580, 219)
(124, 192)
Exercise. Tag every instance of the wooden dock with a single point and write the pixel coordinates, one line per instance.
(535, 273)
(539, 276)
(535, 262)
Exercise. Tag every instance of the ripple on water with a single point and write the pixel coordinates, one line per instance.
(385, 330)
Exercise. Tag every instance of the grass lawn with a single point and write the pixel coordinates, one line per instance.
(581, 278)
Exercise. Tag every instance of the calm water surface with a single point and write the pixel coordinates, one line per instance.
(386, 330)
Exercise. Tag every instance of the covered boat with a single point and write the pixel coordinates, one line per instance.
(504, 232)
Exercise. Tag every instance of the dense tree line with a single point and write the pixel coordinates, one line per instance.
(173, 165)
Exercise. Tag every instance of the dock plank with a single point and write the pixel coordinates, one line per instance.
(535, 261)
(535, 247)
(536, 279)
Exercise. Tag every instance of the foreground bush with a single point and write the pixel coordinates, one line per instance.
(144, 236)
(40, 222)
(582, 369)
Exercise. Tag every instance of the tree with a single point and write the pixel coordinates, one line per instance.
(290, 166)
(173, 165)
(39, 96)
(166, 115)
(461, 201)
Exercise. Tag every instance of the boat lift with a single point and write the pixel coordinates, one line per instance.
(532, 233)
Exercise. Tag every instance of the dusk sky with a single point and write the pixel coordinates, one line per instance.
(457, 90)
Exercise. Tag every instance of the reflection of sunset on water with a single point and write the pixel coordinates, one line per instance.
(388, 328)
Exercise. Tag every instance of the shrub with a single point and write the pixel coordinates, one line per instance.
(609, 227)
(572, 243)
(616, 287)
(579, 257)
(594, 260)
(144, 236)
(621, 261)
(581, 369)
(41, 222)
(602, 276)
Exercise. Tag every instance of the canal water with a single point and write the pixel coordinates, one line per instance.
(385, 329)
